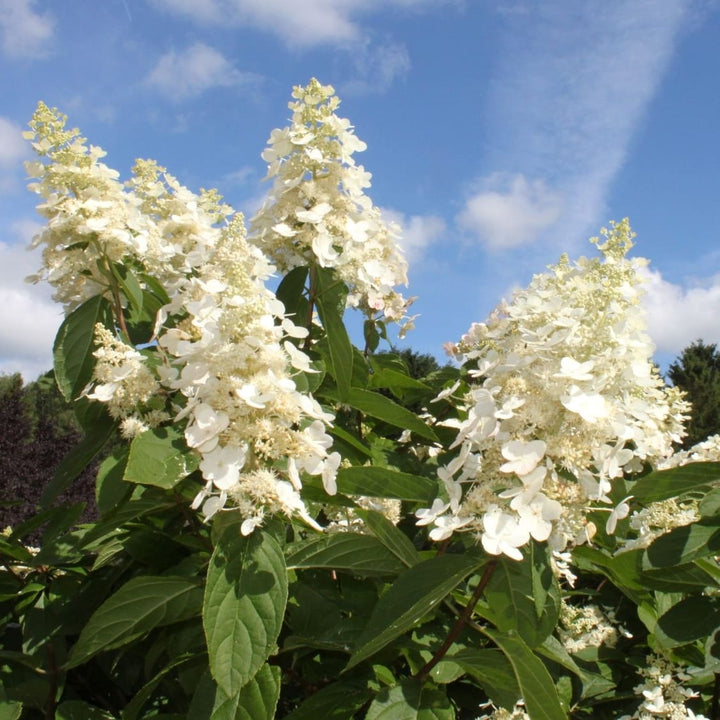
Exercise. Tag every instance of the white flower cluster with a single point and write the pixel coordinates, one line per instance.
(564, 399)
(123, 381)
(317, 212)
(91, 221)
(588, 626)
(95, 222)
(225, 354)
(706, 451)
(517, 713)
(345, 519)
(660, 517)
(232, 357)
(662, 693)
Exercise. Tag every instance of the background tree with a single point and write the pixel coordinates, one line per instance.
(697, 371)
(419, 365)
(37, 429)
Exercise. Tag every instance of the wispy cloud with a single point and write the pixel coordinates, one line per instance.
(13, 149)
(189, 73)
(299, 23)
(677, 316)
(29, 319)
(573, 83)
(24, 33)
(377, 66)
(418, 232)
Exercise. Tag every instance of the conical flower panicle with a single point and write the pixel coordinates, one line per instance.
(564, 399)
(223, 353)
(317, 212)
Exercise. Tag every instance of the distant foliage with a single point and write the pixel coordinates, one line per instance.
(419, 365)
(696, 371)
(37, 429)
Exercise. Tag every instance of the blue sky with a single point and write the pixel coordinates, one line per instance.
(500, 133)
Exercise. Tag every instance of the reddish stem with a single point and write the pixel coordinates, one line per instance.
(460, 623)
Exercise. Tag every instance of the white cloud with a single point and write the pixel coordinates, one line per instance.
(573, 82)
(678, 316)
(418, 232)
(300, 23)
(29, 319)
(509, 212)
(24, 32)
(240, 176)
(190, 73)
(377, 66)
(13, 149)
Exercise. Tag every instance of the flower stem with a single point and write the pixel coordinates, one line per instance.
(459, 624)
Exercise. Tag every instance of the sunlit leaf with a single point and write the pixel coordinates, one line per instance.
(245, 600)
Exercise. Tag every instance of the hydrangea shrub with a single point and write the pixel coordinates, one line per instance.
(282, 534)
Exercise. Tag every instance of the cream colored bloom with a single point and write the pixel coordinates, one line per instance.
(317, 211)
(564, 399)
(224, 361)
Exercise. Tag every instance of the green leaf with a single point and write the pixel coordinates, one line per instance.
(396, 703)
(10, 710)
(412, 596)
(107, 526)
(290, 294)
(409, 700)
(383, 482)
(140, 322)
(75, 462)
(683, 544)
(255, 701)
(14, 549)
(74, 345)
(20, 658)
(110, 488)
(624, 569)
(160, 457)
(350, 440)
(338, 701)
(383, 408)
(371, 335)
(139, 606)
(695, 617)
(665, 484)
(710, 504)
(396, 381)
(391, 537)
(359, 554)
(80, 710)
(524, 596)
(554, 650)
(593, 684)
(493, 672)
(537, 688)
(680, 578)
(330, 300)
(712, 651)
(245, 600)
(129, 285)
